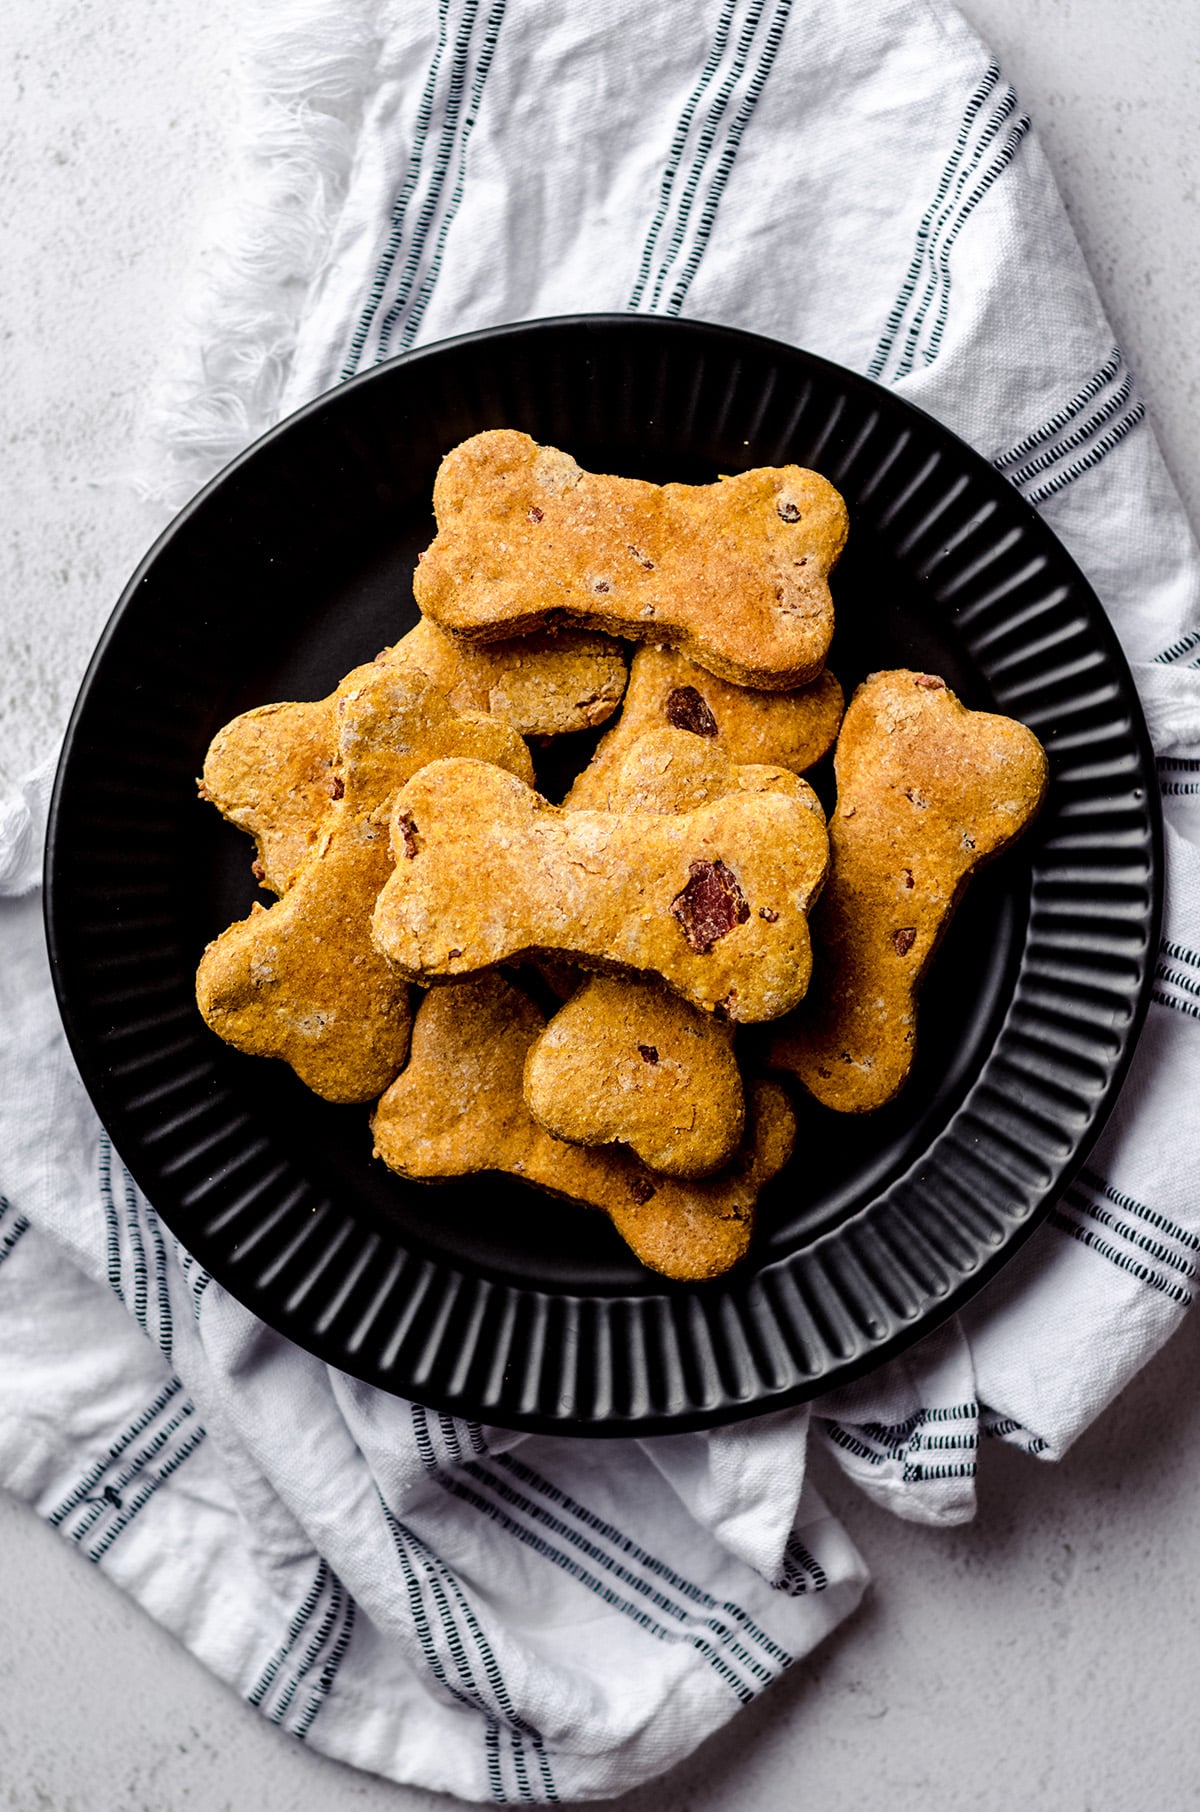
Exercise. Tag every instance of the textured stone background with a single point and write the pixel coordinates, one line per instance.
(1042, 1658)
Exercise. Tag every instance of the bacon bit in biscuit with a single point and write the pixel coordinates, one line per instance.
(930, 681)
(908, 877)
(710, 905)
(904, 940)
(765, 912)
(451, 954)
(641, 1189)
(258, 871)
(601, 585)
(649, 1053)
(688, 709)
(535, 515)
(336, 786)
(789, 511)
(917, 796)
(968, 841)
(640, 557)
(408, 831)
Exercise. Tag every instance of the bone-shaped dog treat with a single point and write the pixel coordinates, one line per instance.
(927, 791)
(271, 769)
(734, 573)
(714, 901)
(624, 1060)
(785, 729)
(302, 981)
(458, 1109)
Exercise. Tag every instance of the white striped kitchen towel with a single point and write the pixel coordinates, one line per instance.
(406, 1591)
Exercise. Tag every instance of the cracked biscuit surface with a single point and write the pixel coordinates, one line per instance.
(458, 1108)
(714, 901)
(735, 574)
(927, 791)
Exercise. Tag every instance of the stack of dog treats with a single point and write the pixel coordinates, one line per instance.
(663, 906)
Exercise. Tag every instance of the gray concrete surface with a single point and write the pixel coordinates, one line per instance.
(1042, 1658)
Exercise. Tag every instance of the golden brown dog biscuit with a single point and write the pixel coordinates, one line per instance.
(927, 791)
(734, 573)
(697, 1230)
(785, 729)
(458, 1109)
(269, 772)
(302, 980)
(714, 901)
(271, 769)
(550, 684)
(626, 1062)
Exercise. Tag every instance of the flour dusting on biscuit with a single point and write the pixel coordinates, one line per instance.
(927, 791)
(625, 1062)
(302, 981)
(734, 573)
(270, 771)
(622, 892)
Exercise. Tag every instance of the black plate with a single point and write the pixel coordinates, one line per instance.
(482, 1297)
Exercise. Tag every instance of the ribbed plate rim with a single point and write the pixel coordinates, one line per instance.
(836, 1246)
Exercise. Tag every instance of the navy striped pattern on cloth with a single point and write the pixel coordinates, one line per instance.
(295, 1681)
(704, 146)
(928, 1445)
(431, 189)
(1185, 646)
(800, 1572)
(116, 1488)
(460, 1658)
(136, 1251)
(1004, 1428)
(605, 1561)
(988, 139)
(195, 1276)
(1177, 979)
(161, 1437)
(1179, 775)
(13, 1228)
(1137, 1239)
(1077, 437)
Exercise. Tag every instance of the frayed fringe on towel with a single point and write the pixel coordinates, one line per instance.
(306, 73)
